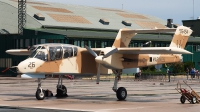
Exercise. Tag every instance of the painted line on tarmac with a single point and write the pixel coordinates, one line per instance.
(86, 110)
(105, 110)
(54, 108)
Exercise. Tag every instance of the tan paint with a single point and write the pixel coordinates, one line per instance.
(123, 38)
(181, 37)
(179, 41)
(88, 64)
(138, 60)
(50, 67)
(78, 61)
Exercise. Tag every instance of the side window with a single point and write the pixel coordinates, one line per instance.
(75, 51)
(55, 53)
(150, 59)
(68, 52)
(58, 53)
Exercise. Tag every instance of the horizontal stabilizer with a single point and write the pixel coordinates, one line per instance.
(156, 30)
(23, 52)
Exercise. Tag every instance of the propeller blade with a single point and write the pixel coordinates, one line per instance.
(91, 51)
(110, 53)
(98, 73)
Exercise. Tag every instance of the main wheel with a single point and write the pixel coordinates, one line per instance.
(40, 95)
(194, 100)
(182, 99)
(61, 91)
(121, 93)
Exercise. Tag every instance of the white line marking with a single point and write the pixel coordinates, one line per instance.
(104, 110)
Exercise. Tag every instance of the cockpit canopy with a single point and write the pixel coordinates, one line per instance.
(53, 52)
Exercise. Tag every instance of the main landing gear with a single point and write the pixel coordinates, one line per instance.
(41, 93)
(61, 89)
(121, 92)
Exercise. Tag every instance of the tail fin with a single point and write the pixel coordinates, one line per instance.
(181, 37)
(123, 38)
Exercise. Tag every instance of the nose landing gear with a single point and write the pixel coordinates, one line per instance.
(41, 93)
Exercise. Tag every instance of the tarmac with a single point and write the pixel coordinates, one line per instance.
(18, 95)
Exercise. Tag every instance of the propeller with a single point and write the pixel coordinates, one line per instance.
(105, 56)
(99, 59)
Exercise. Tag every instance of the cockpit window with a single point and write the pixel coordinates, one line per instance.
(68, 52)
(41, 55)
(33, 54)
(35, 51)
(55, 53)
(75, 51)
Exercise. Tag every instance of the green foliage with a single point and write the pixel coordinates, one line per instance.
(188, 65)
(148, 69)
(178, 67)
(144, 68)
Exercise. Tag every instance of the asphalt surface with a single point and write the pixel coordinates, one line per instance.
(18, 95)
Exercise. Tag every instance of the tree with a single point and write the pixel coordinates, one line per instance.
(178, 67)
(188, 65)
(149, 68)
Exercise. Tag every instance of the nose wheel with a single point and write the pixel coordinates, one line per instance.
(40, 94)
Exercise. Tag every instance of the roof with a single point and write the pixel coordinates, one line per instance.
(45, 15)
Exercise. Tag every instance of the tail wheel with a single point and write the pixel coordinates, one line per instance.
(194, 100)
(121, 93)
(182, 99)
(61, 91)
(40, 94)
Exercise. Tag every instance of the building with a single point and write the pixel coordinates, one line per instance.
(72, 24)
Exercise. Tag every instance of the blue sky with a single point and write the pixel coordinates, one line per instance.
(177, 10)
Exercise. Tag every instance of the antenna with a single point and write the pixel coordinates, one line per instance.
(21, 15)
(122, 6)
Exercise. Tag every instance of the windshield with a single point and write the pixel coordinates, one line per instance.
(41, 55)
(34, 52)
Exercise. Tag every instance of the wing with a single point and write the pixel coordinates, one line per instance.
(146, 50)
(153, 50)
(22, 52)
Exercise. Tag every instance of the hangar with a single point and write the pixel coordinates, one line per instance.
(36, 22)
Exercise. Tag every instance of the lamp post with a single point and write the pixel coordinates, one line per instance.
(193, 9)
